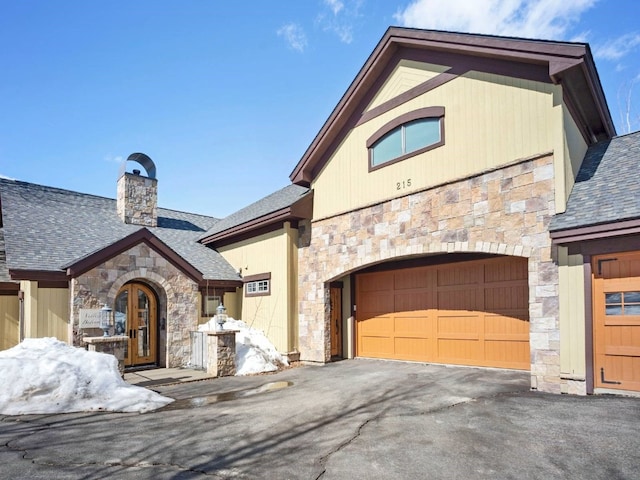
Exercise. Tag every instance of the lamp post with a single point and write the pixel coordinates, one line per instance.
(221, 316)
(106, 319)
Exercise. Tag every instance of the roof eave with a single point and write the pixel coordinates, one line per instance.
(299, 210)
(594, 232)
(143, 235)
(560, 58)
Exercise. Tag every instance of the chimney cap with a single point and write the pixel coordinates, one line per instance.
(143, 160)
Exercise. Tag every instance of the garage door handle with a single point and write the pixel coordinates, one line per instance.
(607, 381)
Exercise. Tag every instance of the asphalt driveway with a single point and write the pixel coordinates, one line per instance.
(348, 420)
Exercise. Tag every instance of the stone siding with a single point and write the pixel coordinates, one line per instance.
(137, 200)
(177, 294)
(505, 211)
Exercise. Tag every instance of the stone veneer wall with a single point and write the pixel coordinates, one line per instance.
(177, 294)
(505, 211)
(137, 200)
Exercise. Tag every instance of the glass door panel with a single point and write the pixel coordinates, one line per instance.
(136, 317)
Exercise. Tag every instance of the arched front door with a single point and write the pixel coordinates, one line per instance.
(135, 316)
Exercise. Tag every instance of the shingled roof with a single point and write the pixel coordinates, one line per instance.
(606, 188)
(48, 228)
(277, 201)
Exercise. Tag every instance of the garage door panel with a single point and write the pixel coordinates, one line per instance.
(410, 301)
(374, 303)
(506, 325)
(505, 271)
(412, 279)
(447, 320)
(513, 297)
(460, 299)
(376, 347)
(459, 351)
(456, 323)
(459, 274)
(515, 354)
(410, 348)
(413, 325)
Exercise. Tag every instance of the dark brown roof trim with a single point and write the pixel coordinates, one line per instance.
(53, 284)
(531, 59)
(229, 285)
(38, 275)
(8, 288)
(302, 209)
(593, 232)
(257, 277)
(143, 235)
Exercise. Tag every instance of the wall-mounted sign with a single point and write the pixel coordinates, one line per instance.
(89, 318)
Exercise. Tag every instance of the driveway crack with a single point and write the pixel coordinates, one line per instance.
(324, 459)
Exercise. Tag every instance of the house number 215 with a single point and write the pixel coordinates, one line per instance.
(403, 184)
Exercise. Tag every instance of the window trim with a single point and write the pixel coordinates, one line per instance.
(421, 113)
(261, 277)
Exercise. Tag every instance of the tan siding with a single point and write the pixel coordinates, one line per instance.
(53, 313)
(572, 314)
(9, 318)
(266, 253)
(406, 75)
(490, 120)
(46, 311)
(575, 148)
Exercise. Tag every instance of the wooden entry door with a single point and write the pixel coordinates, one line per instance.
(336, 319)
(136, 317)
(616, 319)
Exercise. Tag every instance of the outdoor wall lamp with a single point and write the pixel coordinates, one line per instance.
(221, 316)
(106, 319)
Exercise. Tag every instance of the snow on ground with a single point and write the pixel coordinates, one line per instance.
(45, 375)
(254, 352)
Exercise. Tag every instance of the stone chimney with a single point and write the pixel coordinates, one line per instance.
(137, 200)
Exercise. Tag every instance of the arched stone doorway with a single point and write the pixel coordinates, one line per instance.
(136, 316)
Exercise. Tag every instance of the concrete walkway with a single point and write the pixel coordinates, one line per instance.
(355, 419)
(164, 376)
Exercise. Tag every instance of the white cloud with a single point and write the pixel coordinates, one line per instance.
(341, 18)
(618, 47)
(294, 35)
(334, 5)
(114, 158)
(545, 19)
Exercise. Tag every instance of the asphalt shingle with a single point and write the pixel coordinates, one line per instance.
(47, 228)
(606, 188)
(283, 198)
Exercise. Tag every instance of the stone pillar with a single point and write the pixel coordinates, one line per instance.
(221, 353)
(112, 345)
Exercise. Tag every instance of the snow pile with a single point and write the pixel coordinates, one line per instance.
(254, 352)
(45, 375)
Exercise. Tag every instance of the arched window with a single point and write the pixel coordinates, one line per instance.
(406, 136)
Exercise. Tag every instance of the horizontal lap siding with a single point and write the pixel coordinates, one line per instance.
(471, 313)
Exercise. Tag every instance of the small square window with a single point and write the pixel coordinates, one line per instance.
(209, 304)
(257, 285)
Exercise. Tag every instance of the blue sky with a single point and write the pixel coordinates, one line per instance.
(225, 97)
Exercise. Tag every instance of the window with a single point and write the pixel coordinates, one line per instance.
(622, 303)
(406, 136)
(209, 304)
(257, 285)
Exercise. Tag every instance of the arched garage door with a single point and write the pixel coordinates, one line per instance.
(466, 313)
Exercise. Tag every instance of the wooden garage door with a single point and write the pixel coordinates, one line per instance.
(616, 316)
(467, 313)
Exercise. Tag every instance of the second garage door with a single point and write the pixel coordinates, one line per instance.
(466, 313)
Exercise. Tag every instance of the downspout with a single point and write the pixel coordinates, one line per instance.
(20, 316)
